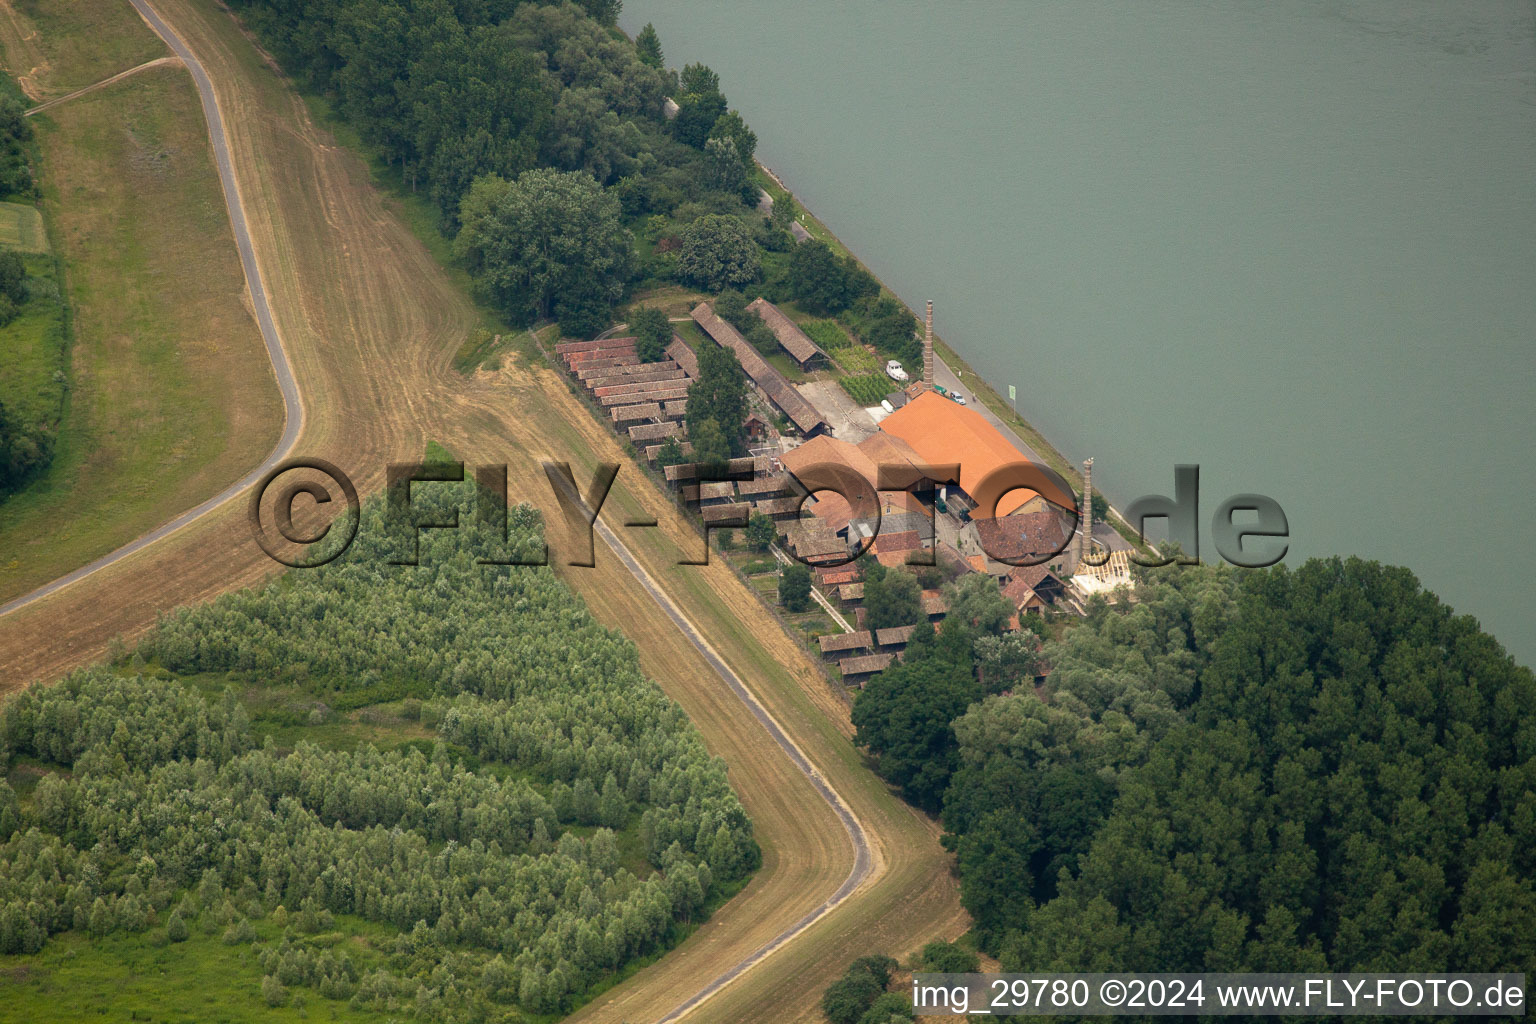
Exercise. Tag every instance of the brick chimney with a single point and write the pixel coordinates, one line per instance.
(928, 346)
(1087, 510)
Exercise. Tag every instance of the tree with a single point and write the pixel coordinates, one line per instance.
(889, 1008)
(547, 242)
(760, 531)
(1007, 660)
(671, 453)
(648, 45)
(818, 280)
(731, 306)
(696, 117)
(604, 12)
(732, 127)
(1100, 508)
(894, 599)
(903, 715)
(273, 991)
(724, 169)
(977, 603)
(176, 927)
(850, 997)
(887, 325)
(795, 587)
(698, 79)
(783, 212)
(710, 446)
(718, 252)
(719, 394)
(653, 333)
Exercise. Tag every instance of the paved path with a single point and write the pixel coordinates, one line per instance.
(783, 559)
(293, 408)
(861, 856)
(157, 62)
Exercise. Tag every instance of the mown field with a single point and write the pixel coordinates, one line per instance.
(21, 228)
(172, 394)
(53, 48)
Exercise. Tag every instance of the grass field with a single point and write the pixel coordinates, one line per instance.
(21, 227)
(53, 47)
(372, 323)
(173, 396)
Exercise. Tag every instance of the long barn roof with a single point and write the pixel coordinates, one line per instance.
(791, 338)
(782, 393)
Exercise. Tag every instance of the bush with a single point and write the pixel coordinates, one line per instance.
(948, 958)
(273, 991)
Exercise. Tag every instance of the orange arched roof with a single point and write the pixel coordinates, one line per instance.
(944, 432)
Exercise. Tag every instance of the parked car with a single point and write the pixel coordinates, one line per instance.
(894, 371)
(957, 396)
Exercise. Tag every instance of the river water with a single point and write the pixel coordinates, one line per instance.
(1294, 243)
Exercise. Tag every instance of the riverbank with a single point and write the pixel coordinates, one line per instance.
(1014, 426)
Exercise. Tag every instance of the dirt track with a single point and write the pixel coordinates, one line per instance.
(370, 322)
(156, 63)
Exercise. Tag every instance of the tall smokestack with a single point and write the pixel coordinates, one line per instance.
(928, 346)
(1087, 510)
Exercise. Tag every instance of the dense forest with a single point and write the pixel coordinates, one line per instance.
(543, 138)
(496, 849)
(1277, 770)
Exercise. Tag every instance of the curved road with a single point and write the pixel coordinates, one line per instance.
(293, 408)
(293, 424)
(855, 829)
